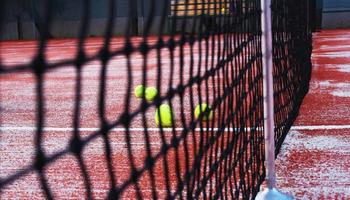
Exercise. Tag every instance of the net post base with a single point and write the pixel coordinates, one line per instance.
(273, 194)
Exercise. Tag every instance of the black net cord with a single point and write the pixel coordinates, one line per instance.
(38, 67)
(76, 146)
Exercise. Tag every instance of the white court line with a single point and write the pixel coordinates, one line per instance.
(321, 127)
(69, 129)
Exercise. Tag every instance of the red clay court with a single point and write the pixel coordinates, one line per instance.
(315, 159)
(72, 128)
(19, 117)
(313, 164)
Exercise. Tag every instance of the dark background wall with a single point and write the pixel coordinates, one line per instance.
(336, 14)
(22, 19)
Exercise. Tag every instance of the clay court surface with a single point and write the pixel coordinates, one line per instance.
(314, 162)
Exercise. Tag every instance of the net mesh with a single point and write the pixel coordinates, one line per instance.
(203, 52)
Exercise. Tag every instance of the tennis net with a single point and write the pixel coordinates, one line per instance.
(201, 52)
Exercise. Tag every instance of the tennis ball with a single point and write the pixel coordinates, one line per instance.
(139, 91)
(201, 109)
(151, 93)
(164, 116)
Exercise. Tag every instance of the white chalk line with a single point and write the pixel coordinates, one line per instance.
(321, 127)
(69, 129)
(136, 129)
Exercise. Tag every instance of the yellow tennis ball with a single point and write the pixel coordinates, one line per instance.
(151, 93)
(138, 91)
(201, 109)
(164, 116)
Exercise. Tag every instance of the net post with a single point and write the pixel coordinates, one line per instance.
(271, 191)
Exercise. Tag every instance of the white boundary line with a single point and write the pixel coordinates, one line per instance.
(69, 129)
(321, 127)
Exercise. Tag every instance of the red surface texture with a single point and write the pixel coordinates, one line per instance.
(315, 164)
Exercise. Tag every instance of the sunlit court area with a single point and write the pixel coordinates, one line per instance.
(175, 99)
